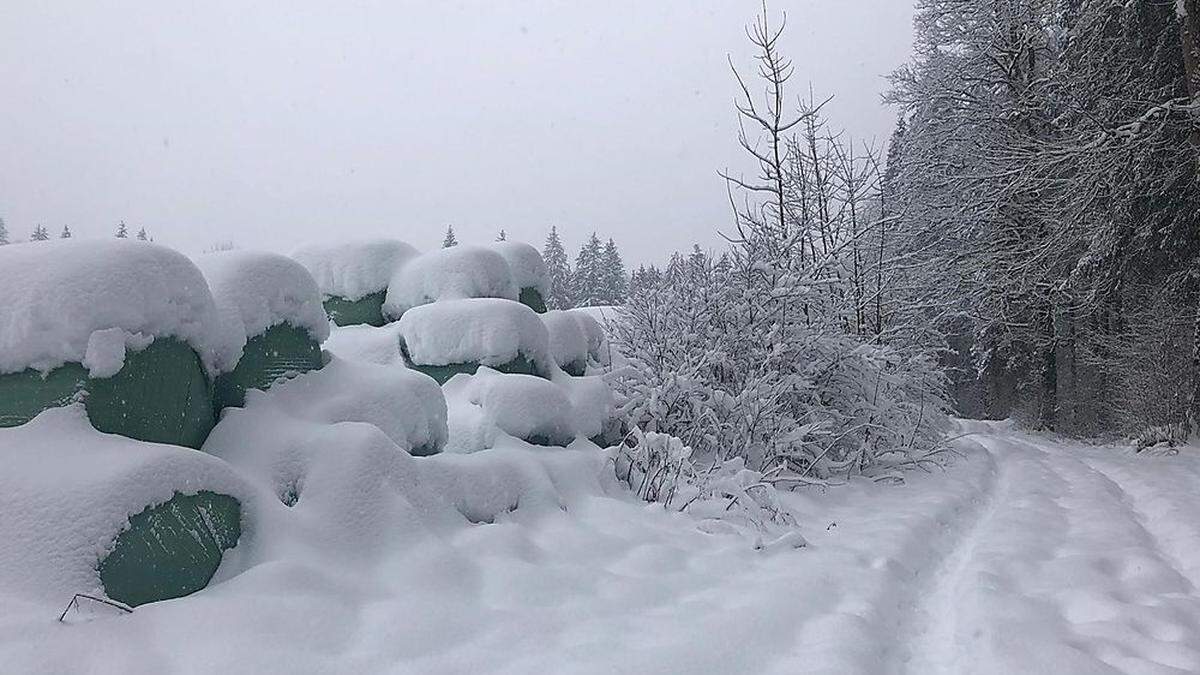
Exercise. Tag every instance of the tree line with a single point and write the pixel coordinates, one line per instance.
(40, 233)
(1044, 209)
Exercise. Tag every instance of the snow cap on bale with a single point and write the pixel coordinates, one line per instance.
(528, 270)
(596, 339)
(481, 331)
(353, 270)
(485, 405)
(271, 305)
(451, 273)
(87, 301)
(569, 345)
(256, 290)
(68, 492)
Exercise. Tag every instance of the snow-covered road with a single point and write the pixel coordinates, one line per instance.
(1058, 558)
(1026, 555)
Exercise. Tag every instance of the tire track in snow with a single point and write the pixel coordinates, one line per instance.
(925, 638)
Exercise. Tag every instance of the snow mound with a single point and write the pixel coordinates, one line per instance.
(488, 331)
(255, 291)
(522, 406)
(55, 294)
(569, 343)
(405, 405)
(526, 264)
(450, 273)
(67, 491)
(369, 344)
(592, 403)
(355, 269)
(590, 319)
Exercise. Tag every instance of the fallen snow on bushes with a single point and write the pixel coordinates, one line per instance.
(255, 291)
(450, 273)
(54, 295)
(354, 269)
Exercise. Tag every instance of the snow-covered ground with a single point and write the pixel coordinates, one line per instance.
(1027, 555)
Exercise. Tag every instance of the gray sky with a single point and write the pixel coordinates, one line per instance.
(296, 121)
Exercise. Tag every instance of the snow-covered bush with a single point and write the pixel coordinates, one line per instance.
(723, 356)
(659, 468)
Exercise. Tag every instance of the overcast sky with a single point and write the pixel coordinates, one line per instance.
(282, 123)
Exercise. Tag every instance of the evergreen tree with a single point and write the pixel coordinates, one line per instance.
(588, 286)
(558, 272)
(122, 231)
(3, 233)
(503, 236)
(66, 232)
(142, 236)
(39, 234)
(450, 239)
(615, 285)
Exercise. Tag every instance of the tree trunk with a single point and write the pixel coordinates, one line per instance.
(1189, 33)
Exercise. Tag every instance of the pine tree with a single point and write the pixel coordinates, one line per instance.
(142, 236)
(66, 232)
(3, 233)
(588, 287)
(122, 231)
(503, 236)
(558, 272)
(39, 234)
(615, 285)
(450, 240)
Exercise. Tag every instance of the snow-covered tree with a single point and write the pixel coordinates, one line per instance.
(142, 236)
(615, 284)
(449, 240)
(503, 236)
(122, 231)
(558, 272)
(66, 232)
(39, 234)
(588, 278)
(3, 233)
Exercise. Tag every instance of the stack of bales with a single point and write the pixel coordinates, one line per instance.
(130, 331)
(353, 276)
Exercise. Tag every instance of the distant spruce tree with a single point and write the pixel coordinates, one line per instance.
(66, 232)
(589, 274)
(39, 234)
(3, 233)
(614, 283)
(503, 236)
(122, 231)
(558, 272)
(450, 239)
(142, 236)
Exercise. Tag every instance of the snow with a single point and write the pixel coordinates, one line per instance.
(448, 274)
(370, 344)
(485, 405)
(67, 491)
(592, 321)
(568, 342)
(1027, 555)
(106, 350)
(407, 406)
(255, 291)
(489, 331)
(354, 269)
(55, 294)
(528, 268)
